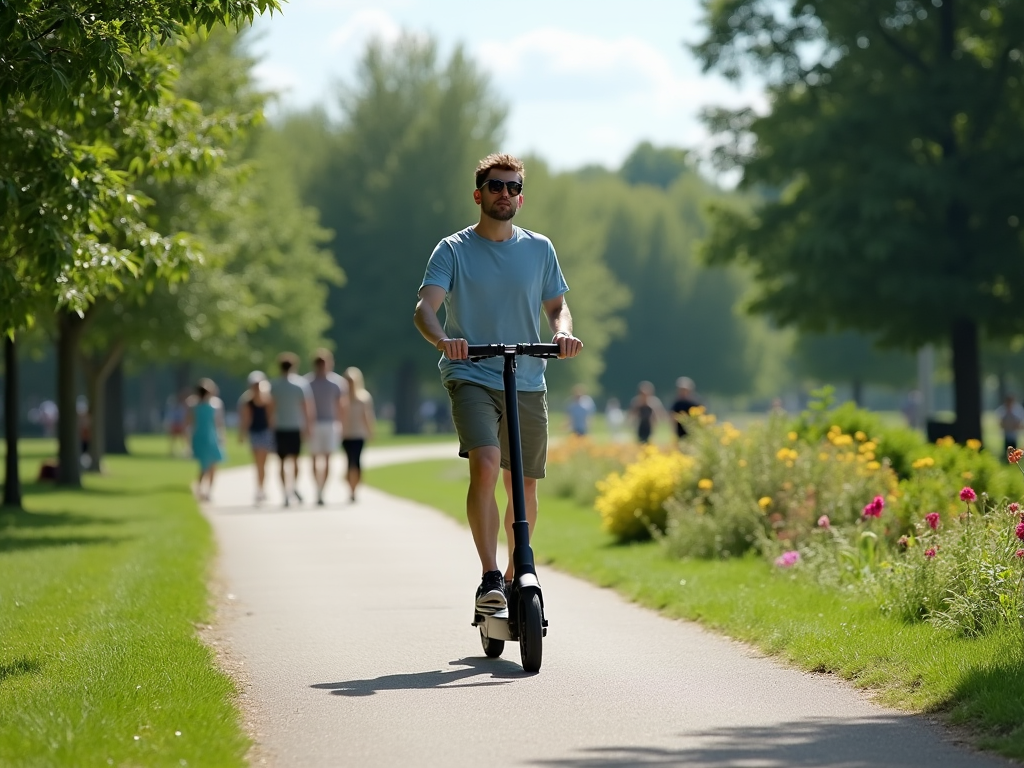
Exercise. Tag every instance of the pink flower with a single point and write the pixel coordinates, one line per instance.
(1013, 508)
(824, 522)
(933, 520)
(874, 507)
(787, 559)
(968, 494)
(1019, 553)
(930, 552)
(1020, 530)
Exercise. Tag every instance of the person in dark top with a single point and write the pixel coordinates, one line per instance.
(685, 400)
(646, 410)
(254, 410)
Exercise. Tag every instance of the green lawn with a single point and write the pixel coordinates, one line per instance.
(101, 593)
(915, 667)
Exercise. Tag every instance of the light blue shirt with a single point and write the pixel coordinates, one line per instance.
(495, 294)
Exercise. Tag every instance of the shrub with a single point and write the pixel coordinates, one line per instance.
(632, 502)
(576, 464)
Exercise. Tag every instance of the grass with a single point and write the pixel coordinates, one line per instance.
(101, 593)
(915, 667)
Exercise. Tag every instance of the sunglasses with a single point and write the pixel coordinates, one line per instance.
(494, 186)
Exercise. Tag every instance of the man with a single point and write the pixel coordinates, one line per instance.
(293, 419)
(330, 398)
(581, 407)
(494, 280)
(1011, 419)
(685, 400)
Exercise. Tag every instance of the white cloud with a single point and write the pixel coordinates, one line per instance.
(361, 28)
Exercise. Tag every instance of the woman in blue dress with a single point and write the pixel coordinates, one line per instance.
(205, 423)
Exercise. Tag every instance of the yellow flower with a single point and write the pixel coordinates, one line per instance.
(823, 456)
(705, 484)
(967, 475)
(946, 441)
(764, 502)
(861, 437)
(873, 465)
(843, 440)
(868, 447)
(697, 410)
(792, 435)
(974, 445)
(742, 462)
(926, 461)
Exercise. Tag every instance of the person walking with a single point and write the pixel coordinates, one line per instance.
(581, 407)
(358, 424)
(255, 411)
(292, 420)
(330, 397)
(1011, 419)
(204, 422)
(646, 410)
(685, 400)
(494, 280)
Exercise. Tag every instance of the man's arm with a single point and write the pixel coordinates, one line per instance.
(560, 321)
(425, 319)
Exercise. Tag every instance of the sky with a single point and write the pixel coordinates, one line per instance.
(584, 82)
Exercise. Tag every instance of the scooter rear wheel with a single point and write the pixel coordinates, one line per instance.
(531, 632)
(492, 647)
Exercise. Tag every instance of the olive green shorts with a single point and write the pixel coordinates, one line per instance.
(479, 416)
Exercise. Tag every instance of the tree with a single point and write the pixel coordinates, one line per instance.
(659, 167)
(894, 133)
(398, 179)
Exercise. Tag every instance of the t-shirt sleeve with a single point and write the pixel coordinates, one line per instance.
(554, 282)
(440, 267)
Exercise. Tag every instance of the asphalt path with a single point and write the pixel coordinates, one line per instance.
(348, 629)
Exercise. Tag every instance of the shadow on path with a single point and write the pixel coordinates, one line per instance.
(499, 672)
(880, 742)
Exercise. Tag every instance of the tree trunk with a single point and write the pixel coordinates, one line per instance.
(857, 391)
(97, 371)
(12, 481)
(407, 399)
(71, 327)
(966, 380)
(114, 427)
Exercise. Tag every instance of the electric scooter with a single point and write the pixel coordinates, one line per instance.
(523, 619)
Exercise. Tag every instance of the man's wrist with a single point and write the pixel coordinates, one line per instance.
(440, 345)
(567, 334)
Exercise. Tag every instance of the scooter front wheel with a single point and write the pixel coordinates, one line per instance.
(492, 647)
(531, 632)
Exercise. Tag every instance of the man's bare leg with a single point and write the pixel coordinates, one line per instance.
(481, 506)
(530, 494)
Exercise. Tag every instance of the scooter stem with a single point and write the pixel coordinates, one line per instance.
(522, 553)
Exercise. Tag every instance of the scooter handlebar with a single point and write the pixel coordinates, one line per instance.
(480, 351)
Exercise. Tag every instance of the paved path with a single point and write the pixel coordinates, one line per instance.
(348, 626)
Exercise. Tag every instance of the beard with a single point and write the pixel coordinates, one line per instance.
(500, 212)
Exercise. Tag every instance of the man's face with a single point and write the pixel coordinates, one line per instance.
(500, 206)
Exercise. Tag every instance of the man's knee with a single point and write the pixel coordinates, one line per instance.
(485, 464)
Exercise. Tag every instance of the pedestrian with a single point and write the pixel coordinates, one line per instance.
(204, 421)
(581, 407)
(495, 279)
(174, 422)
(330, 397)
(255, 409)
(645, 410)
(358, 426)
(685, 400)
(292, 421)
(1011, 419)
(614, 418)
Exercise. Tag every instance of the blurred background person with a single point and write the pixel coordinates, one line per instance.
(254, 418)
(204, 421)
(357, 427)
(1011, 419)
(174, 423)
(580, 409)
(615, 418)
(646, 411)
(292, 420)
(330, 398)
(686, 399)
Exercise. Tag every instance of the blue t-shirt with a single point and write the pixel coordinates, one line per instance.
(495, 293)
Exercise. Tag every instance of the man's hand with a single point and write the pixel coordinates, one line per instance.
(454, 349)
(568, 345)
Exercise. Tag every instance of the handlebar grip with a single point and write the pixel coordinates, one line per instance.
(480, 351)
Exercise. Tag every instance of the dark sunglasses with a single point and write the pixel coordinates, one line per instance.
(494, 186)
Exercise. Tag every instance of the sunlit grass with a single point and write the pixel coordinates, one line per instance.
(101, 593)
(915, 667)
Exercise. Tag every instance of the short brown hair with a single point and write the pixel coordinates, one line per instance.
(502, 162)
(287, 360)
(323, 356)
